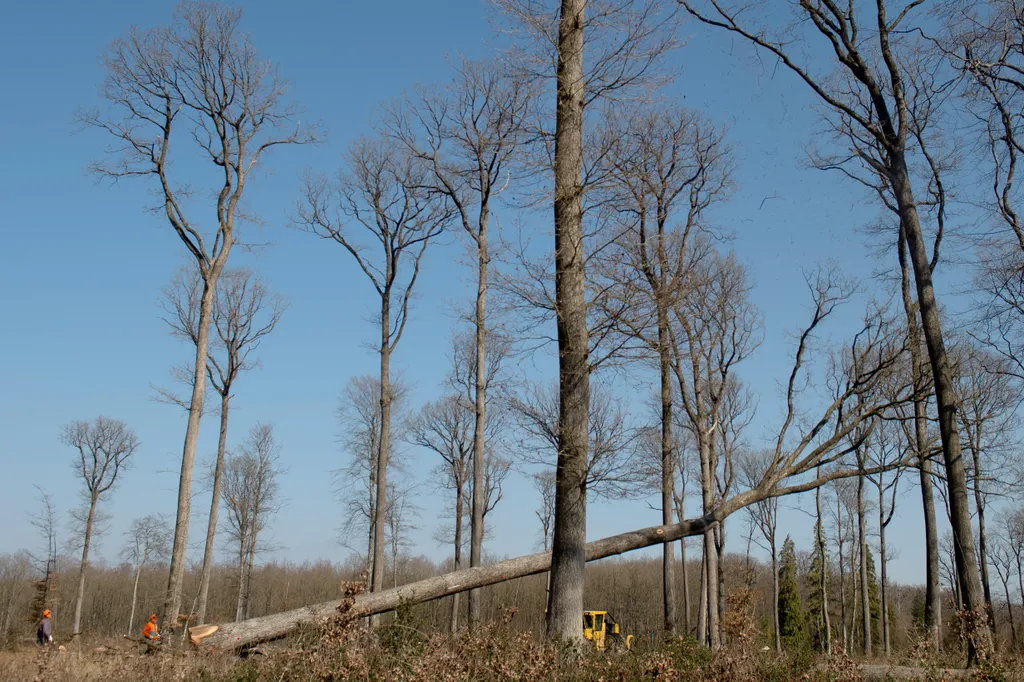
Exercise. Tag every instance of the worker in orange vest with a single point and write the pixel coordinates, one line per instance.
(44, 632)
(151, 631)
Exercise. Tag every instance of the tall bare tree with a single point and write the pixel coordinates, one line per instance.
(445, 427)
(765, 516)
(884, 448)
(715, 327)
(623, 40)
(251, 496)
(244, 313)
(611, 468)
(148, 538)
(987, 416)
(921, 440)
(385, 194)
(876, 105)
(103, 447)
(196, 84)
(359, 415)
(469, 136)
(45, 523)
(667, 165)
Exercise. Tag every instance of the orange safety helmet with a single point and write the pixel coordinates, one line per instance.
(46, 613)
(152, 618)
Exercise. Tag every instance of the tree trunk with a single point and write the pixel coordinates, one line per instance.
(240, 602)
(85, 562)
(668, 474)
(720, 577)
(702, 600)
(211, 526)
(1009, 612)
(710, 549)
(248, 569)
(862, 540)
(687, 620)
(480, 397)
(933, 592)
(176, 575)
(264, 628)
(775, 597)
(377, 568)
(979, 501)
(842, 573)
(819, 538)
(458, 557)
(569, 542)
(883, 563)
(135, 596)
(945, 398)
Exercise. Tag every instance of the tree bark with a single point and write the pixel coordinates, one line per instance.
(883, 563)
(668, 472)
(702, 600)
(945, 398)
(979, 501)
(211, 526)
(135, 596)
(265, 628)
(176, 575)
(775, 598)
(377, 569)
(685, 579)
(240, 601)
(75, 631)
(933, 591)
(823, 579)
(842, 572)
(862, 540)
(569, 542)
(479, 447)
(710, 549)
(458, 557)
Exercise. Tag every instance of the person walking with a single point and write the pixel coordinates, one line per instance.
(44, 632)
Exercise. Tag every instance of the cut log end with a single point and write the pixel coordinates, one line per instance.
(200, 632)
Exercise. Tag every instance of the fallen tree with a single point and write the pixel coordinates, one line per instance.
(866, 381)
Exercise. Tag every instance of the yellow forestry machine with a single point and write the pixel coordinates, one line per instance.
(600, 628)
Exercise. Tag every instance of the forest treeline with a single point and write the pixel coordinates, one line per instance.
(894, 398)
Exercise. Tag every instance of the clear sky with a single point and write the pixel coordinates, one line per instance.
(82, 263)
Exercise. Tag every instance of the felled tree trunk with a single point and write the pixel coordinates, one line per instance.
(255, 630)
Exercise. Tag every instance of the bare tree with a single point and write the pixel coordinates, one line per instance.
(623, 40)
(667, 165)
(989, 397)
(469, 136)
(148, 538)
(857, 386)
(384, 193)
(398, 517)
(544, 483)
(251, 498)
(919, 437)
(765, 516)
(884, 448)
(611, 469)
(104, 447)
(876, 104)
(359, 415)
(195, 84)
(715, 327)
(244, 313)
(445, 427)
(45, 523)
(1003, 560)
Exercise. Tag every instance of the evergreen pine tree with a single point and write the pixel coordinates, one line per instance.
(815, 622)
(791, 612)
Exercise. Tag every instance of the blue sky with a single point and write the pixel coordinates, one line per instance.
(82, 263)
